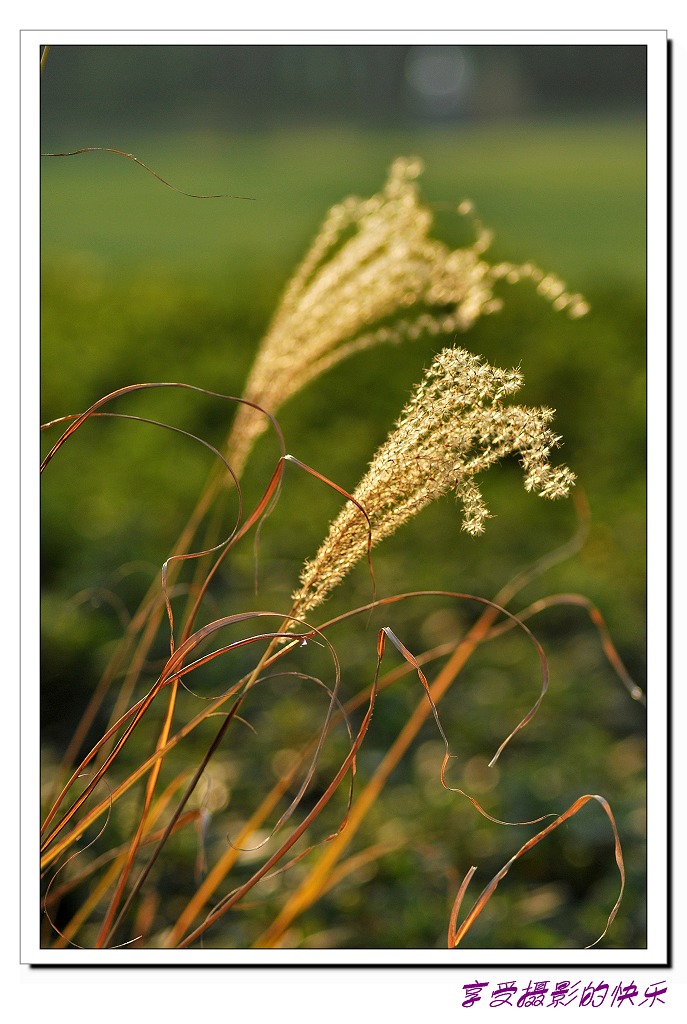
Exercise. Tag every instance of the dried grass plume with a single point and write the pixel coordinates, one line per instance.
(455, 426)
(374, 275)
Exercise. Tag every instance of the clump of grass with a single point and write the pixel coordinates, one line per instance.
(373, 275)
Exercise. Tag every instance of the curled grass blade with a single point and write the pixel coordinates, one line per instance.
(599, 624)
(149, 614)
(103, 885)
(347, 765)
(170, 675)
(456, 934)
(109, 928)
(143, 768)
(77, 853)
(318, 879)
(174, 669)
(135, 159)
(225, 863)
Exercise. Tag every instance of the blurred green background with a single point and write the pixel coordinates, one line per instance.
(140, 283)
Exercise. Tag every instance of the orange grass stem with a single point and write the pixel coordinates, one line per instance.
(222, 867)
(104, 805)
(317, 880)
(106, 926)
(347, 764)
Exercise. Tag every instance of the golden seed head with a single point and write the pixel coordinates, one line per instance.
(455, 425)
(372, 275)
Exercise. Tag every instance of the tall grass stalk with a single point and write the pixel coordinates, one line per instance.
(373, 275)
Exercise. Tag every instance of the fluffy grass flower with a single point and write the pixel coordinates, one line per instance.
(455, 426)
(374, 275)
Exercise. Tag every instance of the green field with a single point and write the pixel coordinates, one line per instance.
(574, 196)
(140, 283)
